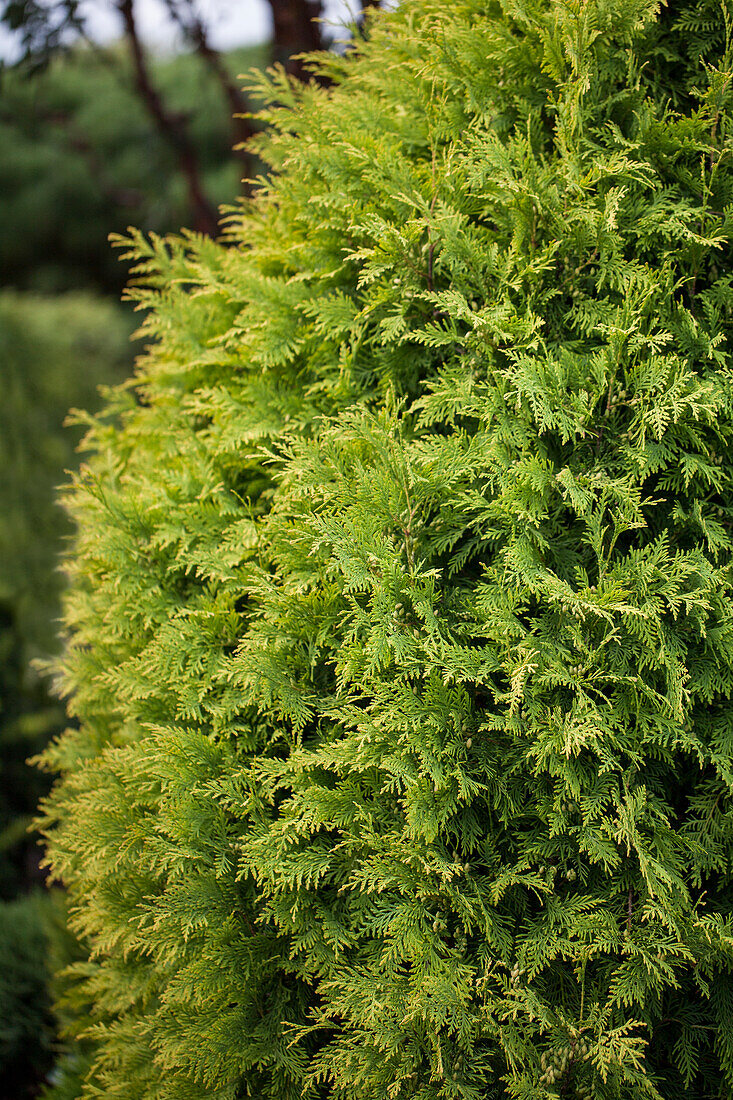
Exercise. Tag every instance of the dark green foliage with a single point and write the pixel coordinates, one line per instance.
(80, 157)
(30, 936)
(25, 1012)
(53, 354)
(401, 625)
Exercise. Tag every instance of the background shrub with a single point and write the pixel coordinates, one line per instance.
(56, 353)
(25, 1010)
(400, 636)
(53, 353)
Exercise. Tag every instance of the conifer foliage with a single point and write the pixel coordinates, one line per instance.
(400, 633)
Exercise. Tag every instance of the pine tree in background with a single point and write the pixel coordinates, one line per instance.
(400, 634)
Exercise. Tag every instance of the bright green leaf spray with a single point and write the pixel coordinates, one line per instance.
(400, 632)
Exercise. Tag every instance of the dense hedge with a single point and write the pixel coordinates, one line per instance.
(401, 635)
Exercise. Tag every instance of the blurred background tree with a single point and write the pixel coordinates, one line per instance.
(82, 158)
(54, 351)
(96, 133)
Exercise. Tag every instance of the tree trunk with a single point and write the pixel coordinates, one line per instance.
(171, 127)
(295, 32)
(195, 32)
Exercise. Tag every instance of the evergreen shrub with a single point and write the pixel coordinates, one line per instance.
(400, 635)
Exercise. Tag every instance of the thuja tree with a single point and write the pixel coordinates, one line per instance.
(400, 635)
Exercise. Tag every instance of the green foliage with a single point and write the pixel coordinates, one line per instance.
(81, 158)
(53, 353)
(400, 633)
(33, 941)
(25, 1010)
